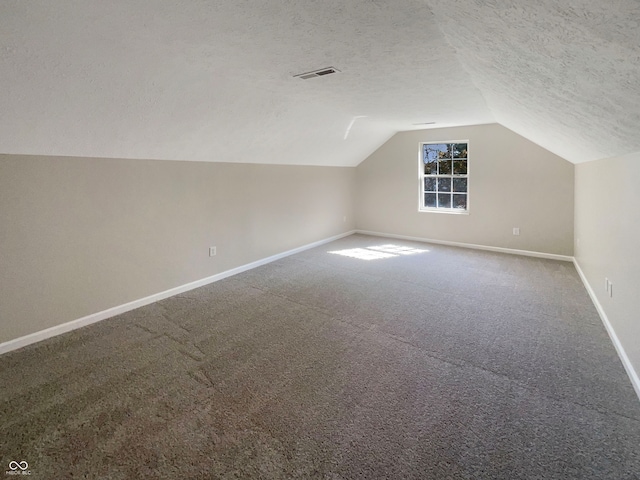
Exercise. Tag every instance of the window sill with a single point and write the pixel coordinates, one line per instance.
(441, 210)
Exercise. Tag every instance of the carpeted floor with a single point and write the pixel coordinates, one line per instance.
(433, 362)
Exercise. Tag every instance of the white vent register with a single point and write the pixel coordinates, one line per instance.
(317, 73)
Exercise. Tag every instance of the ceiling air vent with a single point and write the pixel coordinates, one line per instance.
(317, 73)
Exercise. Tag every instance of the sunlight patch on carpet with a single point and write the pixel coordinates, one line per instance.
(377, 252)
(397, 249)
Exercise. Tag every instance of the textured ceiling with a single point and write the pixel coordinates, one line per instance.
(212, 81)
(564, 74)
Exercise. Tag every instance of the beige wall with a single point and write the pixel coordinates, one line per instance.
(513, 183)
(78, 235)
(607, 223)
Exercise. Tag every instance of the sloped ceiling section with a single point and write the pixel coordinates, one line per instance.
(564, 74)
(213, 80)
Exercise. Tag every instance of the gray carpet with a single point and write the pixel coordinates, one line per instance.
(443, 364)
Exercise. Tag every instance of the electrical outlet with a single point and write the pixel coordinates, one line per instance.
(212, 251)
(516, 231)
(344, 219)
(608, 285)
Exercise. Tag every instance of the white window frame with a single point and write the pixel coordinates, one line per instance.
(422, 176)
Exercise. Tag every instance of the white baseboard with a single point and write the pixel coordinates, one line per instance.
(96, 317)
(528, 253)
(631, 372)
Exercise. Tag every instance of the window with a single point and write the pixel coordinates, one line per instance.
(444, 179)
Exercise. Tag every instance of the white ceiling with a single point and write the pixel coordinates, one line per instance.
(213, 80)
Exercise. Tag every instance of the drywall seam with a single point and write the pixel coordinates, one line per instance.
(117, 310)
(631, 372)
(528, 253)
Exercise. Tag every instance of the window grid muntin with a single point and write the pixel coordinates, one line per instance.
(452, 162)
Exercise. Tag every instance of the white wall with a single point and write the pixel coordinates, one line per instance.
(513, 183)
(81, 235)
(607, 234)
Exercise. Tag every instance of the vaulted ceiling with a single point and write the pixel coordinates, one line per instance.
(212, 80)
